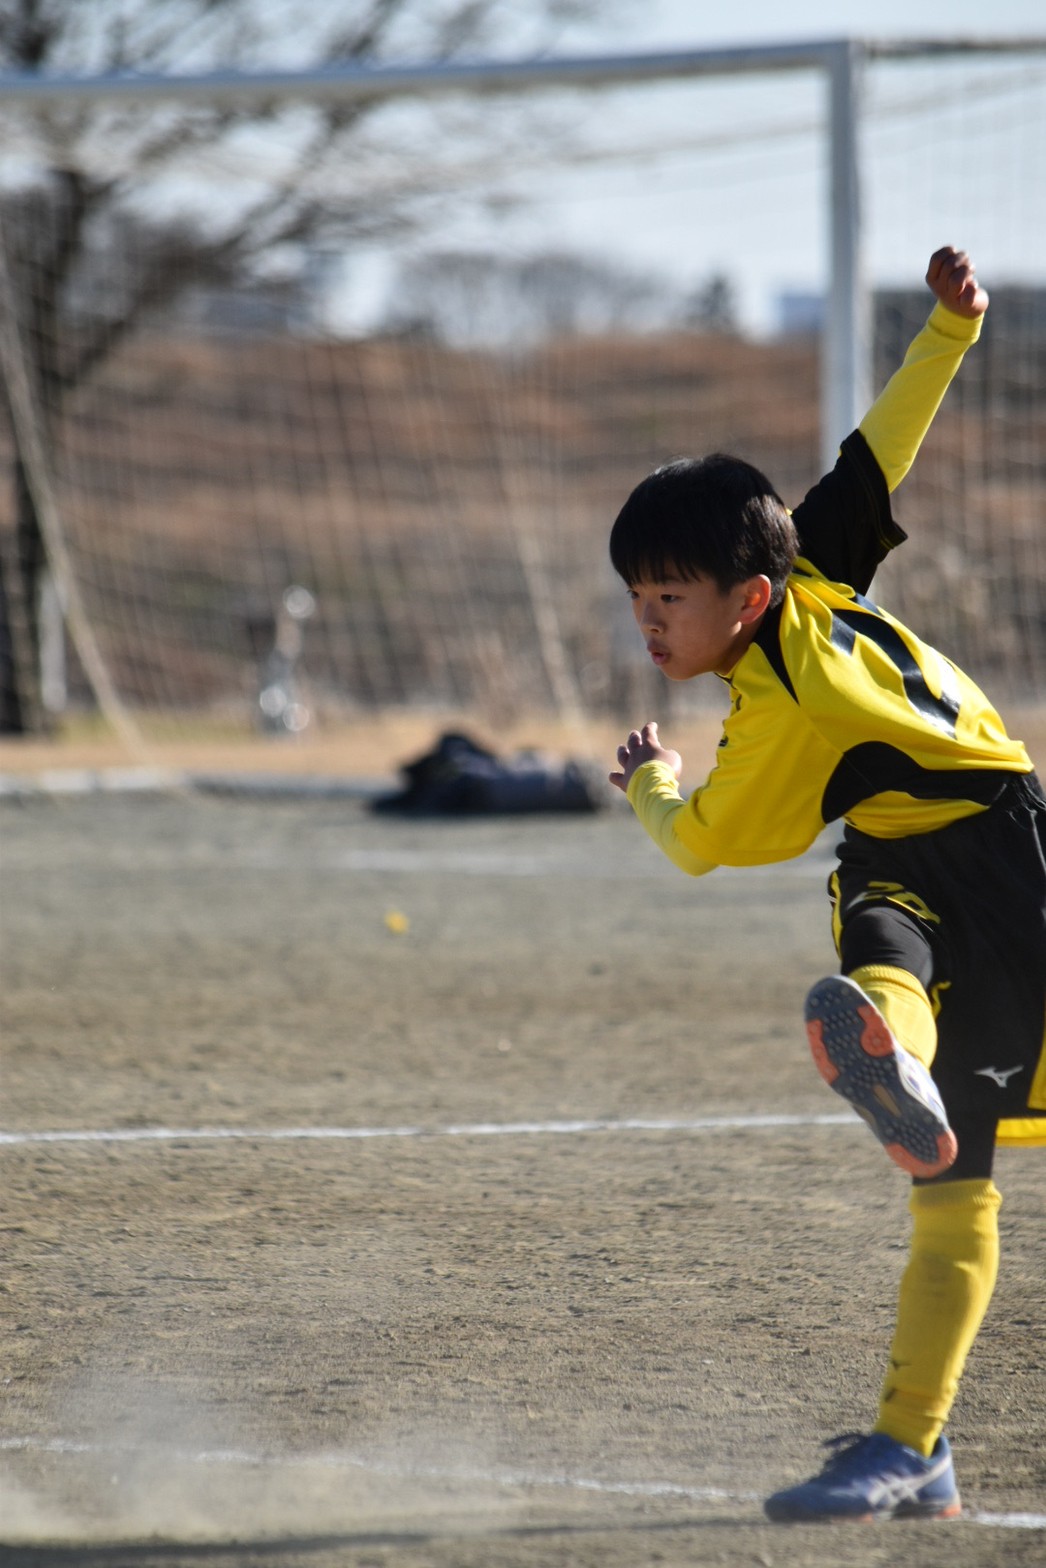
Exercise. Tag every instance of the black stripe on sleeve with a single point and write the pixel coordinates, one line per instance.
(845, 525)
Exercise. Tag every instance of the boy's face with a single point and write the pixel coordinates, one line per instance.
(693, 627)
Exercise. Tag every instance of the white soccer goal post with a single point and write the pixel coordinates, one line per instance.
(259, 513)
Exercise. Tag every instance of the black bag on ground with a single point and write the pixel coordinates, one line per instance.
(459, 778)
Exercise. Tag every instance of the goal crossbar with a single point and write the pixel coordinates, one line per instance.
(250, 89)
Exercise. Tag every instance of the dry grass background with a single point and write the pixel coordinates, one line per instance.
(430, 499)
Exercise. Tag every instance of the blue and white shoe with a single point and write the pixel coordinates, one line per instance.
(870, 1478)
(859, 1058)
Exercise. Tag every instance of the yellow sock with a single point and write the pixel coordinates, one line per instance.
(945, 1291)
(904, 1004)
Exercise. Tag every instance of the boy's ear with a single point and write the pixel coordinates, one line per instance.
(757, 596)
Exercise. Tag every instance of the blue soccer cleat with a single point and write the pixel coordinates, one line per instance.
(859, 1058)
(870, 1478)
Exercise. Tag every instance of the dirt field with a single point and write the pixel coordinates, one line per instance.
(458, 1326)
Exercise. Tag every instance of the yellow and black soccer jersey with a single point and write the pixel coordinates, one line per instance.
(838, 710)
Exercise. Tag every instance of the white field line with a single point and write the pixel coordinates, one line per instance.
(698, 1124)
(340, 1459)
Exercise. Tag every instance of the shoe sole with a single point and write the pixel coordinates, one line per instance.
(857, 1056)
(784, 1514)
(952, 1510)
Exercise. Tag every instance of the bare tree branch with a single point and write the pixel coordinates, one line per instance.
(86, 223)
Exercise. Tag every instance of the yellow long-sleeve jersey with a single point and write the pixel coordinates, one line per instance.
(837, 709)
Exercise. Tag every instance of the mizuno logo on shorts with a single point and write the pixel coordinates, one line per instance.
(998, 1075)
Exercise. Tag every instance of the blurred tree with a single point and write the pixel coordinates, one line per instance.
(89, 257)
(712, 306)
(467, 297)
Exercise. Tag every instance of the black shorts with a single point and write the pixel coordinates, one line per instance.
(964, 910)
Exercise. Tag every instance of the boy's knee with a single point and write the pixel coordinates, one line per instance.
(883, 934)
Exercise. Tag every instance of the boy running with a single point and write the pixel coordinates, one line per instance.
(934, 1030)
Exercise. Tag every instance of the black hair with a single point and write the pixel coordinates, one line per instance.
(714, 517)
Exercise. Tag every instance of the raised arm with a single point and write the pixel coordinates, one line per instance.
(897, 422)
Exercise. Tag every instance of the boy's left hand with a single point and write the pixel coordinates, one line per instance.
(643, 746)
(953, 278)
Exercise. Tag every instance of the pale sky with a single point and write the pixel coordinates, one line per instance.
(913, 199)
(668, 23)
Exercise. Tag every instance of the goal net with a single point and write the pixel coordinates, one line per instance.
(290, 442)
